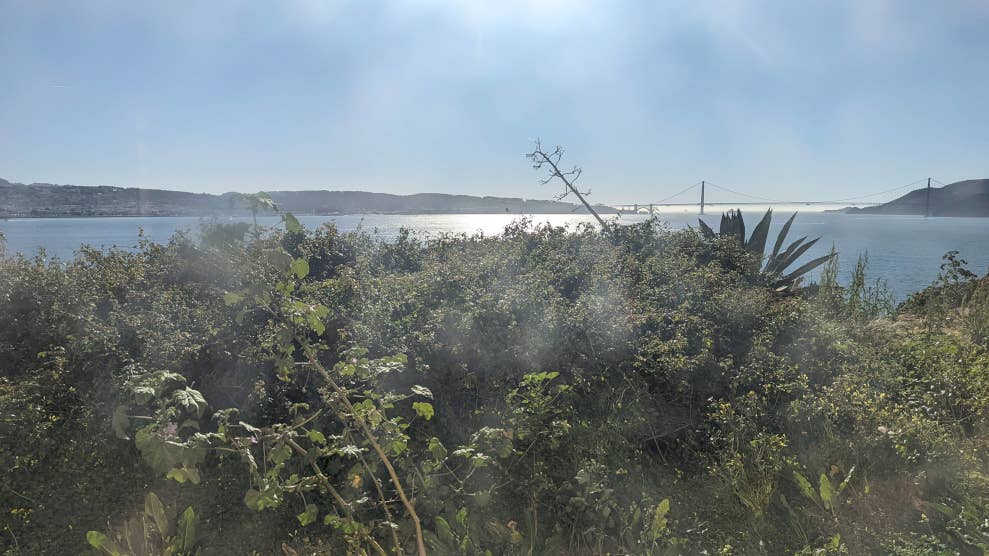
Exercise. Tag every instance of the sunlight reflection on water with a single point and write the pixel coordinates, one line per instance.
(904, 250)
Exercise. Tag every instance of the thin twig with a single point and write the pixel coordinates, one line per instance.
(366, 431)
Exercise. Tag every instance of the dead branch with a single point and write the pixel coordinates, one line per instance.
(541, 158)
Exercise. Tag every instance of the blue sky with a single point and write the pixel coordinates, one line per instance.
(795, 100)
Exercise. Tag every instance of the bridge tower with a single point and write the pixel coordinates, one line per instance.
(927, 211)
(702, 196)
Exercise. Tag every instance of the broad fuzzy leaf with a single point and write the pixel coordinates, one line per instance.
(659, 520)
(120, 422)
(309, 515)
(827, 491)
(292, 224)
(187, 526)
(102, 542)
(191, 401)
(423, 409)
(300, 267)
(422, 391)
(805, 487)
(156, 510)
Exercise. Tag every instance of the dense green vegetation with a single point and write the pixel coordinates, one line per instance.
(546, 391)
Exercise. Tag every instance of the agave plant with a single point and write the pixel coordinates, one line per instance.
(777, 263)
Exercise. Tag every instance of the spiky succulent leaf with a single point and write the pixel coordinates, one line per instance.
(757, 243)
(792, 257)
(782, 237)
(806, 267)
(732, 224)
(775, 264)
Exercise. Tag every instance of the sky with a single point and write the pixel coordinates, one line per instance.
(781, 100)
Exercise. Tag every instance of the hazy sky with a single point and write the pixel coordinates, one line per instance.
(806, 100)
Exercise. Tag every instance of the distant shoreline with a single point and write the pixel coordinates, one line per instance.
(355, 213)
(962, 199)
(42, 200)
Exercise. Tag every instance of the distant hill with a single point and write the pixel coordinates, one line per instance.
(48, 200)
(963, 198)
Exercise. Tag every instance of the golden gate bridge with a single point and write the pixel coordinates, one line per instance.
(702, 187)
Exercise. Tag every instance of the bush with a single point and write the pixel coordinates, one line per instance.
(546, 390)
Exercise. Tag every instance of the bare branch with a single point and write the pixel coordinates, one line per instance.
(541, 158)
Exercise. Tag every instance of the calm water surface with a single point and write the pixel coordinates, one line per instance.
(903, 250)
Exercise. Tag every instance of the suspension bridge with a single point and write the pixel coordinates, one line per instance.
(680, 199)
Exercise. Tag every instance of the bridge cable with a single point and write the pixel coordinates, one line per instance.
(879, 193)
(723, 188)
(768, 200)
(676, 194)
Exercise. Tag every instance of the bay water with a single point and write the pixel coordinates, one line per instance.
(905, 251)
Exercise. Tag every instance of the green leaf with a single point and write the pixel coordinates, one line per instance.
(232, 298)
(96, 539)
(280, 454)
(163, 455)
(156, 510)
(827, 492)
(444, 532)
(422, 391)
(309, 515)
(848, 478)
(183, 474)
(316, 436)
(423, 409)
(805, 487)
(436, 449)
(163, 382)
(292, 224)
(120, 422)
(398, 446)
(251, 498)
(102, 542)
(188, 523)
(300, 267)
(947, 511)
(315, 322)
(250, 428)
(192, 401)
(659, 520)
(280, 259)
(143, 394)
